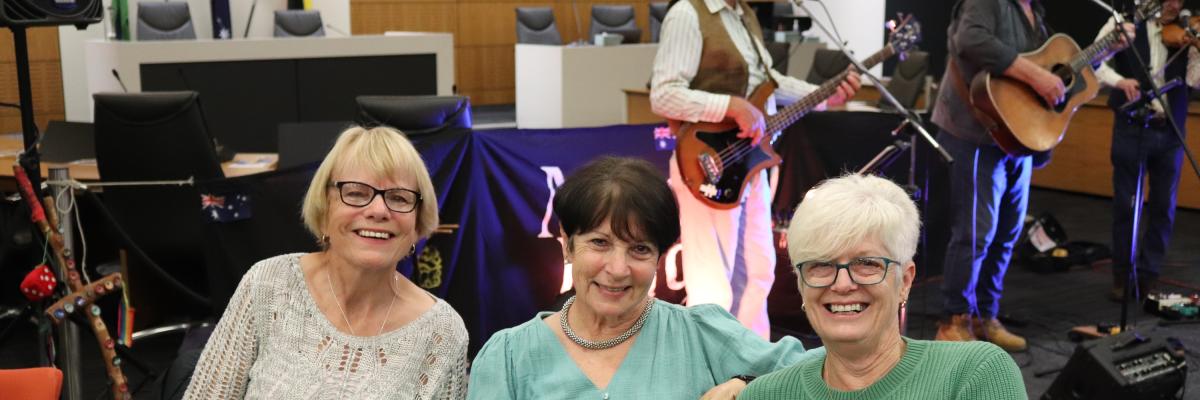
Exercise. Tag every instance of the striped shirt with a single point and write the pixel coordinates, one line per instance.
(678, 59)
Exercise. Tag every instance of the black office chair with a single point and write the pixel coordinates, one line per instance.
(779, 52)
(535, 25)
(826, 65)
(157, 136)
(415, 115)
(617, 19)
(157, 20)
(658, 11)
(298, 23)
(908, 80)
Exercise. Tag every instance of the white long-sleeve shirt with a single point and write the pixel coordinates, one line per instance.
(678, 59)
(1159, 53)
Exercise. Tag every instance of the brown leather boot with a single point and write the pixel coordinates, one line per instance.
(956, 329)
(991, 330)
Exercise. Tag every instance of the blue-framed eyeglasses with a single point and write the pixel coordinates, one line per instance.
(862, 270)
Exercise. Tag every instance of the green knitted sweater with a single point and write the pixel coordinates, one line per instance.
(928, 370)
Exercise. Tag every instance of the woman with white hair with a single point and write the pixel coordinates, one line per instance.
(341, 323)
(853, 240)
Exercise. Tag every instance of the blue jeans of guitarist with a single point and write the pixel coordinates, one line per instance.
(989, 193)
(1159, 149)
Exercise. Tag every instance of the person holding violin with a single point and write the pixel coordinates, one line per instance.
(1143, 142)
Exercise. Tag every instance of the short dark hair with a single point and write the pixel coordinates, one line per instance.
(630, 191)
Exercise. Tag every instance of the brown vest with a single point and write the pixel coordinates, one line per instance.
(722, 68)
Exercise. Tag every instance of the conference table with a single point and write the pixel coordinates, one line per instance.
(85, 171)
(249, 86)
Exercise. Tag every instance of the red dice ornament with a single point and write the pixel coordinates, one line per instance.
(39, 283)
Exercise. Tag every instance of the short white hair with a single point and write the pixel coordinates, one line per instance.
(839, 213)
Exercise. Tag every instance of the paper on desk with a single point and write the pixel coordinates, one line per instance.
(256, 162)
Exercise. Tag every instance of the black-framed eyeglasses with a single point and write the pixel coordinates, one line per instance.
(862, 270)
(358, 194)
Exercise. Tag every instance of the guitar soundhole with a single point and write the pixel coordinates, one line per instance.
(1068, 76)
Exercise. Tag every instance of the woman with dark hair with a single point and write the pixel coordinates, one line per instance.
(611, 340)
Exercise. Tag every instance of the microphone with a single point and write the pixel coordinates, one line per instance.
(119, 81)
(1149, 94)
(250, 19)
(336, 30)
(39, 283)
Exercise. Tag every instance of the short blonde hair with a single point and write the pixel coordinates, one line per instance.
(382, 150)
(839, 213)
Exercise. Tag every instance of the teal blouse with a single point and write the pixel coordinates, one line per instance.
(680, 353)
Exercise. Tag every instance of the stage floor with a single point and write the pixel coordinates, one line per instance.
(1048, 305)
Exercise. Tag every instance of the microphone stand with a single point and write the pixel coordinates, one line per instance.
(893, 151)
(1156, 94)
(911, 118)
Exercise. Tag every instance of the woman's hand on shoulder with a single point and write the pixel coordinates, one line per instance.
(727, 390)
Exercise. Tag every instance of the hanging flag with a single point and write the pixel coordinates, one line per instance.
(221, 25)
(225, 208)
(120, 17)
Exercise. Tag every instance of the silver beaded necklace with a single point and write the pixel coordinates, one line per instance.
(603, 344)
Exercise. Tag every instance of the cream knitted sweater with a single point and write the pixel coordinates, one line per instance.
(273, 343)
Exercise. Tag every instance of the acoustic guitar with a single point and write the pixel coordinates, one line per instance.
(716, 165)
(1017, 117)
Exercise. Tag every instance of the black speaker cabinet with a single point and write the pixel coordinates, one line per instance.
(1125, 366)
(50, 12)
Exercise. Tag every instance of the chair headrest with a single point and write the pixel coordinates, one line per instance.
(145, 108)
(535, 18)
(612, 15)
(299, 22)
(915, 63)
(164, 16)
(415, 115)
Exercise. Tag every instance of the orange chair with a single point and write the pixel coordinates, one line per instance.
(31, 383)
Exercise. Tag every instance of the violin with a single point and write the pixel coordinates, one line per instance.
(1176, 34)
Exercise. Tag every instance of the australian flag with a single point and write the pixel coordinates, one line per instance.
(225, 207)
(221, 24)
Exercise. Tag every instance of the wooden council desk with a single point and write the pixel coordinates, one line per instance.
(1082, 161)
(86, 171)
(249, 86)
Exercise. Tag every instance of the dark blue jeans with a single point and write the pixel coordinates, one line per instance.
(1159, 149)
(989, 193)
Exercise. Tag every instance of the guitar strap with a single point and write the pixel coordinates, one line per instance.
(755, 43)
(964, 94)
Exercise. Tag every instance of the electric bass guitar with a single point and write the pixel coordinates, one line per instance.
(716, 165)
(1017, 117)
